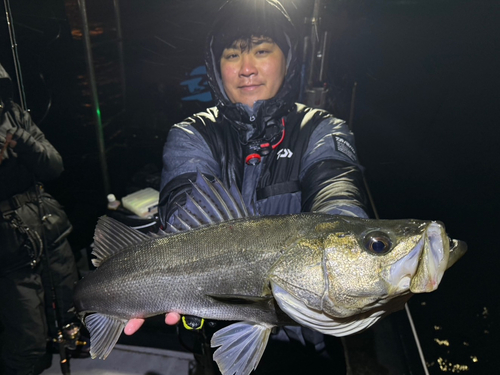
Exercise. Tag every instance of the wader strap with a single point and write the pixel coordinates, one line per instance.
(7, 206)
(277, 189)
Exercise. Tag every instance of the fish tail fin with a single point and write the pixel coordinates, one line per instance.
(241, 346)
(104, 333)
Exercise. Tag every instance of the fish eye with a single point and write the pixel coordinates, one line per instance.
(378, 243)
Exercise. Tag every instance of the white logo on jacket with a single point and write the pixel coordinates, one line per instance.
(284, 153)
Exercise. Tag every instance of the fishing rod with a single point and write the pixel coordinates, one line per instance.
(15, 55)
(61, 337)
(314, 63)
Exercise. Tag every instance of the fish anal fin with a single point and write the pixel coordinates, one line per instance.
(240, 347)
(239, 299)
(104, 333)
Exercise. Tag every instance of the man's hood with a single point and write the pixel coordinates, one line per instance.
(242, 19)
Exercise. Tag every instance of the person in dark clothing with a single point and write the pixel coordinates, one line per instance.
(285, 157)
(33, 226)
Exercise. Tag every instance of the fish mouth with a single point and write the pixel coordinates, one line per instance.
(422, 269)
(457, 250)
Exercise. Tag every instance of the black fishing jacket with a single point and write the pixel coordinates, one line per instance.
(284, 156)
(24, 167)
(32, 224)
(33, 157)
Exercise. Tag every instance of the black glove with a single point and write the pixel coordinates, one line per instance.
(25, 141)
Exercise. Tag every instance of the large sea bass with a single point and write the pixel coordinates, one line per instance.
(337, 275)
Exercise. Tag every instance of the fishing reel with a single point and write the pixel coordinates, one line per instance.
(70, 338)
(71, 335)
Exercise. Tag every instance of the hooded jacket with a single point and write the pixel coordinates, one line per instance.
(33, 154)
(25, 237)
(307, 157)
(32, 160)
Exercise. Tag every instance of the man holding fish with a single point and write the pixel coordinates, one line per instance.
(286, 157)
(294, 247)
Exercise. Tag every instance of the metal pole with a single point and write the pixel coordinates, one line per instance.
(95, 97)
(324, 51)
(120, 49)
(303, 70)
(314, 41)
(353, 100)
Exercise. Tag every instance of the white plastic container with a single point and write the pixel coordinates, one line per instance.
(143, 203)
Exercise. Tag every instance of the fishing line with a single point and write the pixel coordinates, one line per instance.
(407, 308)
(375, 213)
(417, 341)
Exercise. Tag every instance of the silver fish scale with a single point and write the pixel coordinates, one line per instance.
(180, 272)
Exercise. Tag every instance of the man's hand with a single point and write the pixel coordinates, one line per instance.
(133, 325)
(7, 142)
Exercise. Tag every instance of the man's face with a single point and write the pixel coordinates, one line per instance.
(254, 72)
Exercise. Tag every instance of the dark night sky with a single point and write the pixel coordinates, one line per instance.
(426, 122)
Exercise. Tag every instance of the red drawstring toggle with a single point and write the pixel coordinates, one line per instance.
(253, 159)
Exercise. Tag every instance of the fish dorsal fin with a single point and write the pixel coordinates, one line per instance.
(111, 237)
(241, 346)
(319, 321)
(210, 203)
(104, 332)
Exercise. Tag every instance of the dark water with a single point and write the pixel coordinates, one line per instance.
(425, 120)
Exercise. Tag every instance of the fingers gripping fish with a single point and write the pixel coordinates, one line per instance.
(334, 274)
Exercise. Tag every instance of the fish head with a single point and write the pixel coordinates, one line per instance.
(357, 270)
(367, 265)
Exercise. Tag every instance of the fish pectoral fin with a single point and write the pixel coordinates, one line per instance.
(239, 299)
(241, 346)
(104, 333)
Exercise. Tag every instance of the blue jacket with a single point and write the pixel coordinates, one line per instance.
(314, 168)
